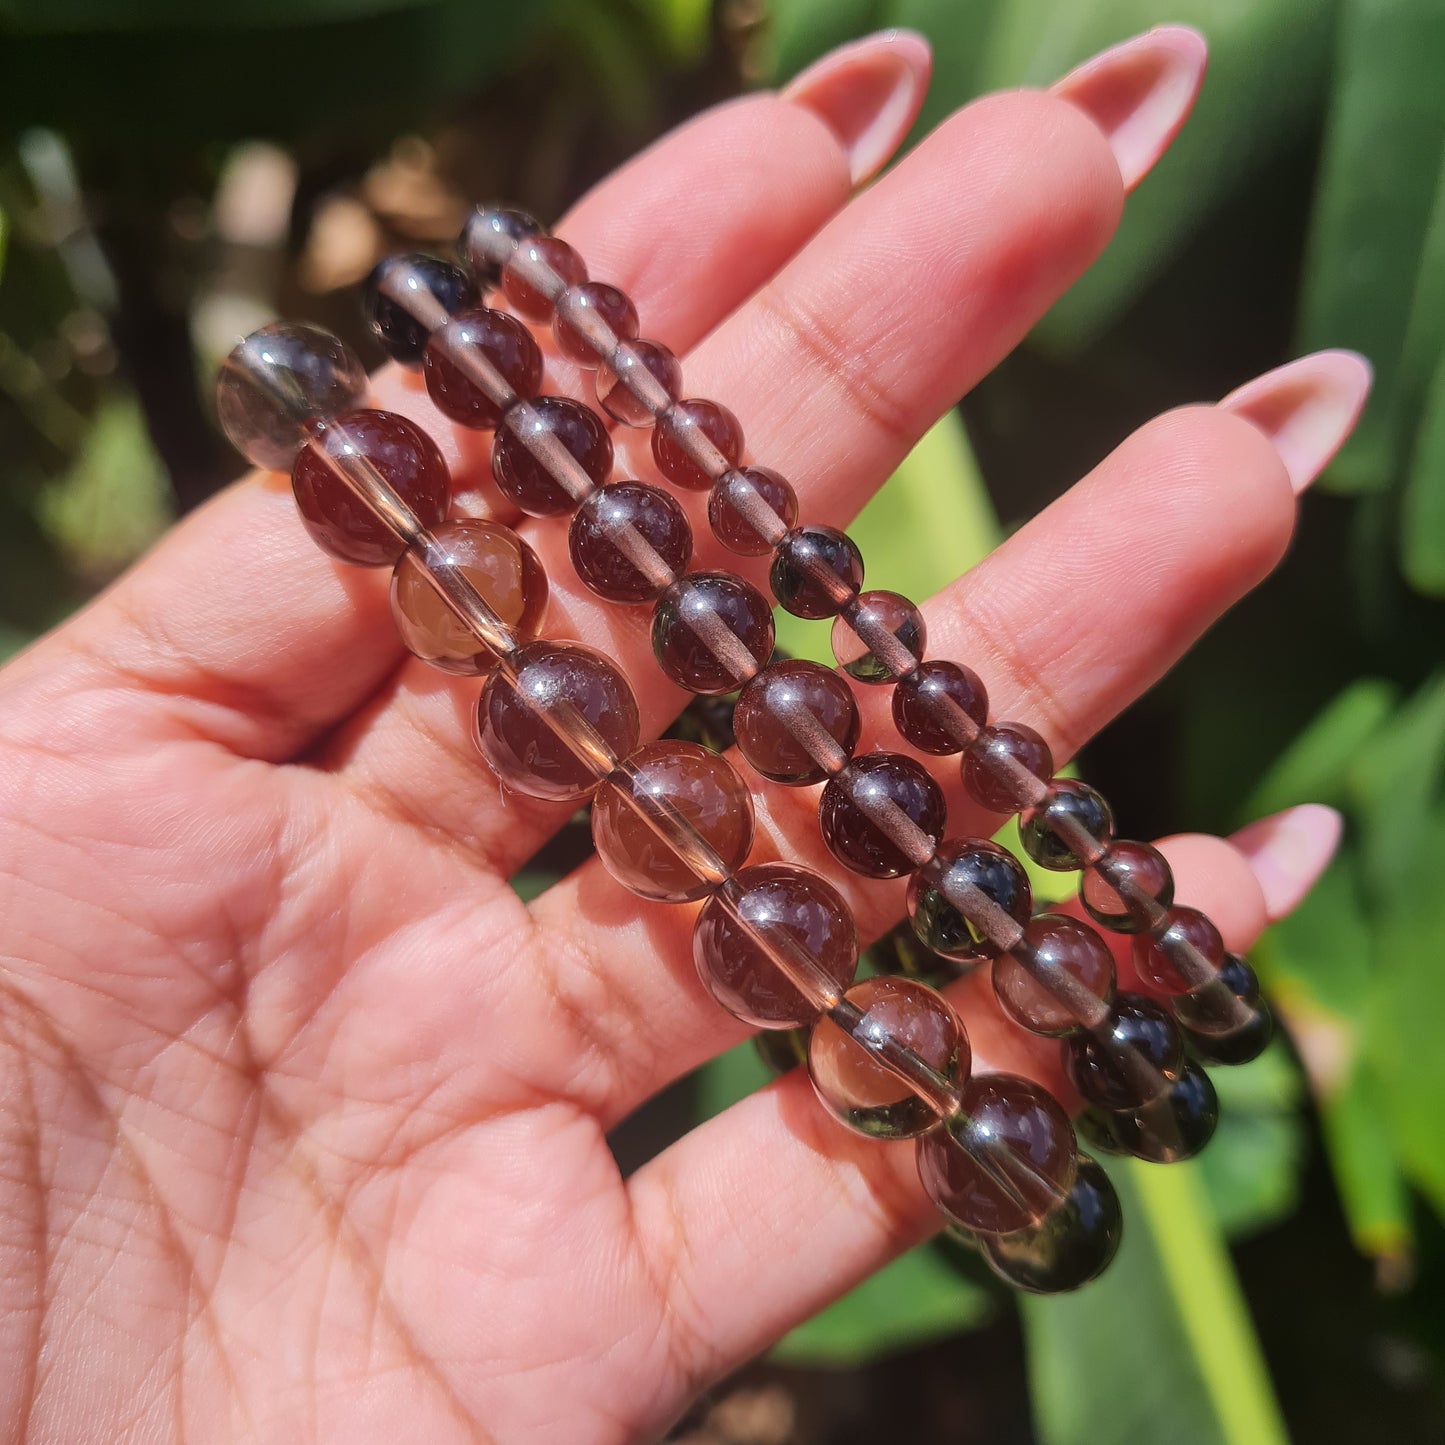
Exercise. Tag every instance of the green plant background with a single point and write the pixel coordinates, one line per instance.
(1291, 1279)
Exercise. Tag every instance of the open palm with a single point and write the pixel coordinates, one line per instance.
(305, 1118)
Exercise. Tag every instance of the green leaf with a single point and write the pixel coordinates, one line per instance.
(1422, 531)
(682, 25)
(72, 16)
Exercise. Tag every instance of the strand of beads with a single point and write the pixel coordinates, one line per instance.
(996, 1152)
(878, 637)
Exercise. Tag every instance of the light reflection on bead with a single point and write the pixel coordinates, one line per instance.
(695, 442)
(712, 632)
(640, 381)
(879, 638)
(751, 509)
(402, 286)
(882, 816)
(1061, 976)
(489, 237)
(1133, 1058)
(970, 891)
(1007, 767)
(1128, 888)
(791, 716)
(939, 707)
(1071, 827)
(629, 541)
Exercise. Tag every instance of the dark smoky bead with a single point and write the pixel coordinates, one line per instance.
(1132, 1058)
(750, 509)
(385, 301)
(1214, 1009)
(1096, 1128)
(1175, 1126)
(781, 1049)
(880, 814)
(1189, 945)
(791, 711)
(521, 463)
(696, 442)
(489, 237)
(1006, 767)
(955, 900)
(927, 704)
(1073, 1245)
(497, 345)
(1240, 1046)
(591, 319)
(1128, 888)
(520, 283)
(816, 571)
(1071, 827)
(640, 382)
(629, 542)
(879, 637)
(712, 632)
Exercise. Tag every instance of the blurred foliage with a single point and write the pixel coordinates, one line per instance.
(142, 226)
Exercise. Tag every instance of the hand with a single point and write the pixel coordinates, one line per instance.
(305, 1115)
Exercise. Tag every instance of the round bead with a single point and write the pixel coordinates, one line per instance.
(782, 1050)
(982, 877)
(1005, 1161)
(641, 380)
(397, 450)
(712, 631)
(795, 697)
(816, 571)
(441, 286)
(1066, 978)
(1176, 1126)
(1132, 1058)
(696, 442)
(617, 522)
(489, 237)
(278, 383)
(503, 569)
(1070, 826)
(928, 702)
(1158, 959)
(1238, 1047)
(556, 681)
(535, 301)
(1128, 887)
(879, 638)
(751, 509)
(486, 341)
(1072, 1246)
(874, 781)
(671, 777)
(767, 909)
(591, 319)
(523, 440)
(862, 1092)
(1006, 767)
(1214, 1009)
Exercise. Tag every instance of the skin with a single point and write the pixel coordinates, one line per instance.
(305, 1112)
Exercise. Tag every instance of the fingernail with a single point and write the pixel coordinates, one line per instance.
(1306, 408)
(1138, 94)
(867, 93)
(1289, 851)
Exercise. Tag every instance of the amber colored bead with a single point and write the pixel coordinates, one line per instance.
(1006, 767)
(868, 847)
(278, 383)
(695, 442)
(489, 237)
(816, 571)
(502, 568)
(1132, 1058)
(492, 342)
(1240, 1045)
(563, 683)
(1128, 887)
(405, 458)
(590, 320)
(1005, 1161)
(927, 703)
(612, 521)
(1061, 976)
(712, 631)
(864, 1093)
(671, 778)
(641, 380)
(1072, 823)
(751, 509)
(402, 336)
(533, 302)
(964, 869)
(1187, 928)
(521, 444)
(879, 637)
(1075, 1244)
(765, 910)
(793, 698)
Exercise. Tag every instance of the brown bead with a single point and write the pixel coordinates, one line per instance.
(1005, 1161)
(696, 442)
(591, 319)
(816, 571)
(638, 844)
(1006, 767)
(712, 632)
(1061, 976)
(1128, 888)
(939, 706)
(358, 442)
(502, 568)
(768, 912)
(1070, 827)
(788, 707)
(520, 461)
(904, 793)
(1132, 1057)
(879, 637)
(540, 250)
(751, 509)
(478, 364)
(488, 238)
(1159, 958)
(641, 380)
(568, 685)
(864, 1093)
(629, 542)
(970, 892)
